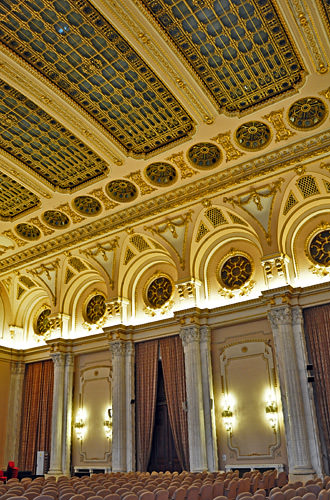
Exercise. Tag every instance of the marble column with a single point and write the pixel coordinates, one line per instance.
(130, 406)
(55, 467)
(17, 371)
(67, 414)
(306, 390)
(208, 399)
(292, 400)
(118, 350)
(190, 337)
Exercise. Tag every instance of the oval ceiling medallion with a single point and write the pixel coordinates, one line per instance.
(87, 205)
(42, 324)
(161, 174)
(122, 191)
(95, 309)
(158, 292)
(235, 271)
(56, 219)
(319, 248)
(307, 113)
(204, 155)
(28, 231)
(253, 135)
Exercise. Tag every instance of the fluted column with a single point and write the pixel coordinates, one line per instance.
(292, 400)
(306, 390)
(17, 370)
(67, 413)
(55, 467)
(130, 406)
(208, 399)
(118, 406)
(197, 452)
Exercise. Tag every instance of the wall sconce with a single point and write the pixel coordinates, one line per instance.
(108, 423)
(227, 413)
(271, 409)
(80, 424)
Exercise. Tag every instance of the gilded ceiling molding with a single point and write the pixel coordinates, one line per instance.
(326, 93)
(15, 199)
(5, 248)
(231, 152)
(324, 8)
(156, 52)
(48, 96)
(68, 211)
(47, 273)
(284, 158)
(258, 203)
(178, 160)
(9, 233)
(276, 119)
(104, 255)
(46, 230)
(309, 32)
(99, 193)
(137, 178)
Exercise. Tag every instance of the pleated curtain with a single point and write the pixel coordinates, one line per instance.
(317, 330)
(36, 419)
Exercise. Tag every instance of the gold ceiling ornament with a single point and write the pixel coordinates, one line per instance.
(291, 201)
(104, 254)
(99, 193)
(41, 323)
(307, 113)
(28, 231)
(312, 41)
(94, 309)
(178, 160)
(101, 69)
(234, 274)
(204, 155)
(307, 186)
(317, 249)
(15, 199)
(161, 174)
(253, 135)
(19, 242)
(324, 8)
(87, 205)
(326, 93)
(231, 152)
(68, 211)
(276, 119)
(258, 203)
(174, 231)
(47, 273)
(138, 179)
(122, 190)
(36, 222)
(157, 293)
(56, 219)
(241, 53)
(5, 248)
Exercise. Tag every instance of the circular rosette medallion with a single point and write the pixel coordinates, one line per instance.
(307, 113)
(56, 219)
(95, 309)
(204, 155)
(158, 292)
(161, 174)
(87, 205)
(235, 272)
(122, 191)
(28, 231)
(253, 135)
(319, 248)
(42, 324)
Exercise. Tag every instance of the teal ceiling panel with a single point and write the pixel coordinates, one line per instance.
(77, 49)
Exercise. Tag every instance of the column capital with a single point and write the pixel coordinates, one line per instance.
(297, 315)
(280, 316)
(69, 358)
(189, 334)
(58, 359)
(129, 348)
(205, 333)
(117, 348)
(17, 368)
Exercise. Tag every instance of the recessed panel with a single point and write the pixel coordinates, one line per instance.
(14, 198)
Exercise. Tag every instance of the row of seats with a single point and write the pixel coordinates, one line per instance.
(167, 486)
(11, 472)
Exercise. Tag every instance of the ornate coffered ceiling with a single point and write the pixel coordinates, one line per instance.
(116, 112)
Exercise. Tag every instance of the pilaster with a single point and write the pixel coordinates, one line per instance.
(55, 467)
(130, 405)
(67, 414)
(17, 371)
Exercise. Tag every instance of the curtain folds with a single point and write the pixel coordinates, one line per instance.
(317, 330)
(36, 413)
(146, 359)
(172, 356)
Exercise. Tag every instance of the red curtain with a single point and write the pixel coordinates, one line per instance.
(146, 367)
(172, 355)
(36, 413)
(317, 330)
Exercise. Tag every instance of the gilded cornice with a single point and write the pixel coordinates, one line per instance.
(213, 184)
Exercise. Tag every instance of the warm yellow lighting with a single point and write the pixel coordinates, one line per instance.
(80, 424)
(108, 423)
(227, 413)
(271, 408)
